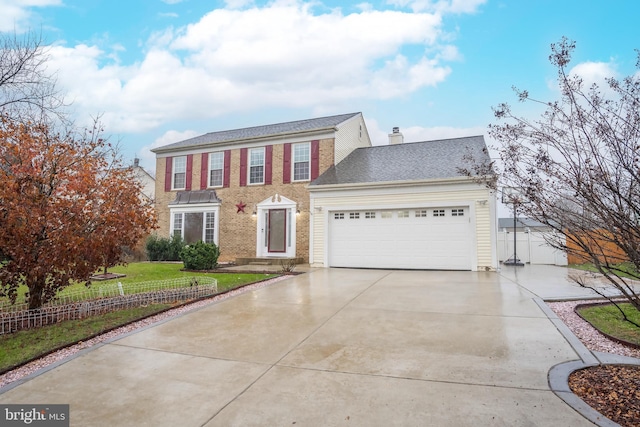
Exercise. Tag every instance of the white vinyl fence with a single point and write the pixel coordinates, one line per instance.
(531, 248)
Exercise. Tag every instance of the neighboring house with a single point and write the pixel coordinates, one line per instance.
(405, 206)
(317, 191)
(246, 189)
(148, 189)
(146, 180)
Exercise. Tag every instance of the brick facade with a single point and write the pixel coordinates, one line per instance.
(238, 230)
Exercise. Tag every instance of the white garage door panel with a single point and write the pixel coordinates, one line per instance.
(401, 239)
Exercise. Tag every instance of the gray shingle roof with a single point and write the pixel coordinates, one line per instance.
(406, 162)
(226, 136)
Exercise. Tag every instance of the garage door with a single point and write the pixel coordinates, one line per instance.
(433, 238)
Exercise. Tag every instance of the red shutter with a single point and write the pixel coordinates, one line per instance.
(204, 171)
(286, 168)
(268, 164)
(227, 168)
(243, 167)
(315, 159)
(167, 175)
(189, 172)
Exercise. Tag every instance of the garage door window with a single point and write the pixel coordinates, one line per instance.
(421, 214)
(438, 212)
(403, 214)
(338, 215)
(354, 215)
(386, 215)
(369, 215)
(457, 212)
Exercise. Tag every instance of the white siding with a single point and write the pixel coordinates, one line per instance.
(479, 200)
(350, 135)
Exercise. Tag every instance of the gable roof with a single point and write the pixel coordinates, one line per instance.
(414, 161)
(278, 129)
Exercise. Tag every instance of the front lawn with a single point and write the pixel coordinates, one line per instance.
(19, 347)
(148, 271)
(608, 319)
(626, 270)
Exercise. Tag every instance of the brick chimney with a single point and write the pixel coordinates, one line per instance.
(395, 137)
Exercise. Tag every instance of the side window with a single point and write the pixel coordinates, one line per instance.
(301, 161)
(256, 166)
(216, 169)
(179, 176)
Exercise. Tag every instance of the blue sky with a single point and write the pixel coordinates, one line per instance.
(158, 71)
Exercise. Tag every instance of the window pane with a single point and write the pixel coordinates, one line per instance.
(215, 179)
(192, 227)
(256, 166)
(209, 231)
(301, 163)
(179, 172)
(177, 224)
(300, 171)
(216, 167)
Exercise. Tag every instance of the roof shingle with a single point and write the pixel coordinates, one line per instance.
(406, 162)
(307, 125)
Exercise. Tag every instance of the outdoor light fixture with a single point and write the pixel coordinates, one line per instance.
(513, 195)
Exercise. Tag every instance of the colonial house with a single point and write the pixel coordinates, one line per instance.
(246, 189)
(317, 191)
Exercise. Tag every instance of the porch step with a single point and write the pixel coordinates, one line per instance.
(267, 261)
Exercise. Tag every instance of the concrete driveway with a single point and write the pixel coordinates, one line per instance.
(333, 347)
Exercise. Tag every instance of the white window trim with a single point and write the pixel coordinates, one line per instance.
(264, 165)
(195, 209)
(293, 162)
(209, 169)
(173, 173)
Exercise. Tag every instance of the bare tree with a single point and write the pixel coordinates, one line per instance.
(27, 86)
(578, 170)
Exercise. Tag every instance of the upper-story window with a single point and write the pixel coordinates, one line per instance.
(256, 166)
(179, 176)
(216, 169)
(301, 161)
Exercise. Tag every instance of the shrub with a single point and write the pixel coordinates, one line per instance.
(163, 248)
(200, 256)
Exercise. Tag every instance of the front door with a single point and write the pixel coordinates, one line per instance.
(277, 231)
(276, 227)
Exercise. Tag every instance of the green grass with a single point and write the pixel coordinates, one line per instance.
(147, 271)
(628, 270)
(19, 347)
(608, 319)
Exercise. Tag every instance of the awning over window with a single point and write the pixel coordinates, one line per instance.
(195, 197)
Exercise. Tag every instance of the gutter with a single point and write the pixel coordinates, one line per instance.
(389, 184)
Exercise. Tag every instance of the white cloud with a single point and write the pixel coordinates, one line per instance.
(281, 55)
(148, 159)
(417, 133)
(440, 6)
(17, 14)
(594, 73)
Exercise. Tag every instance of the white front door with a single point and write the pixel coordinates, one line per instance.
(276, 228)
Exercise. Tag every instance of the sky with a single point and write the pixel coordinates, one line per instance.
(160, 71)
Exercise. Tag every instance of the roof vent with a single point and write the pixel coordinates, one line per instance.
(396, 130)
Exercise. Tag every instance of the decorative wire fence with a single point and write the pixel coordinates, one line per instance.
(105, 299)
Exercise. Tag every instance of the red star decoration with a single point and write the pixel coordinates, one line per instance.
(241, 207)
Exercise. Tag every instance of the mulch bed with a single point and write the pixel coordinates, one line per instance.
(612, 390)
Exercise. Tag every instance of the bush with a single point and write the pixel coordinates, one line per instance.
(164, 248)
(200, 256)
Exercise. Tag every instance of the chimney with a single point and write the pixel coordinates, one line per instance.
(136, 162)
(395, 137)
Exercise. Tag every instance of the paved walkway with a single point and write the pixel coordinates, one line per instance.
(333, 347)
